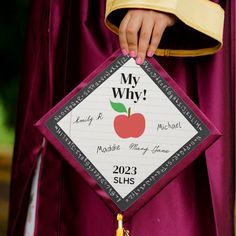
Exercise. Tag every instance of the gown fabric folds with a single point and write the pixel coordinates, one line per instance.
(67, 40)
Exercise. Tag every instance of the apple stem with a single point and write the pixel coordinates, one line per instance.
(129, 111)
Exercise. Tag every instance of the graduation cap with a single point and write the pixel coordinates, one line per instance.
(128, 130)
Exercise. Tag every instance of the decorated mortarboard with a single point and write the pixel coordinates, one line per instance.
(128, 129)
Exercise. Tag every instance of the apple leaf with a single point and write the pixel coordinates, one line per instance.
(119, 107)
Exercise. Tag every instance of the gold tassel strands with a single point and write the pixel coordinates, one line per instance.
(120, 230)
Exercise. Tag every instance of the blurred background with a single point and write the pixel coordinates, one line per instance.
(13, 18)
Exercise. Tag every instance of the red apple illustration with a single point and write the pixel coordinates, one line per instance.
(128, 125)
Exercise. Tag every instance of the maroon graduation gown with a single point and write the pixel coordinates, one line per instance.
(66, 41)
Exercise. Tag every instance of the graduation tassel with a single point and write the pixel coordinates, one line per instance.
(120, 230)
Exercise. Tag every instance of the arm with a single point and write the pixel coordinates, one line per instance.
(196, 32)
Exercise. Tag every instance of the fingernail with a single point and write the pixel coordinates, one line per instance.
(124, 52)
(132, 54)
(139, 61)
(150, 53)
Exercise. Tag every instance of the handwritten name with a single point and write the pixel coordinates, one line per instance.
(88, 119)
(168, 126)
(158, 149)
(136, 147)
(109, 148)
(145, 150)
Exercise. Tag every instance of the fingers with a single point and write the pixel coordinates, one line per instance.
(128, 33)
(144, 39)
(132, 30)
(140, 32)
(156, 38)
(122, 35)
